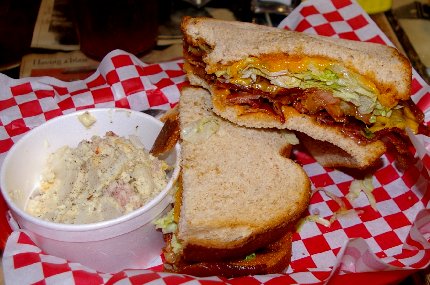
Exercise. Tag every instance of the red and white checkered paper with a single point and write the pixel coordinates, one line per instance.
(395, 236)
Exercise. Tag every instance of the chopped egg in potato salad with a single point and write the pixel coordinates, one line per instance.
(100, 179)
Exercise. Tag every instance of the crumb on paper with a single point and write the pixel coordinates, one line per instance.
(87, 119)
(365, 185)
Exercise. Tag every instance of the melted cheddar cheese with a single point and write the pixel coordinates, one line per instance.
(294, 64)
(276, 63)
(400, 118)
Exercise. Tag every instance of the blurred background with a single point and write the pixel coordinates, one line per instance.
(86, 30)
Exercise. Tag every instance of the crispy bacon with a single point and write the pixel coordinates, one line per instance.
(307, 101)
(330, 111)
(398, 142)
(422, 129)
(319, 100)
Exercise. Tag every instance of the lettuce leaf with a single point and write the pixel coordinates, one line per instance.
(166, 223)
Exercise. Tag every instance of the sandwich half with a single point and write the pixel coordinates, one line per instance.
(239, 196)
(352, 95)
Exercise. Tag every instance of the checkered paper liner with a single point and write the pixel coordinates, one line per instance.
(395, 236)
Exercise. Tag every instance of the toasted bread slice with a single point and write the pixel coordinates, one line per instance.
(239, 193)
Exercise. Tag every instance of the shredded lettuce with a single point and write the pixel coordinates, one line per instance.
(318, 219)
(250, 256)
(342, 212)
(167, 226)
(166, 223)
(364, 185)
(175, 244)
(200, 130)
(345, 214)
(335, 198)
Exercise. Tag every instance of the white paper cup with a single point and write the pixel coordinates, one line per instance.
(129, 241)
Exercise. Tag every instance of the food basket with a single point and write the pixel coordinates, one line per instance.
(383, 241)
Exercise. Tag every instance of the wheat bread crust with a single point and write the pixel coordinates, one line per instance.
(238, 191)
(230, 41)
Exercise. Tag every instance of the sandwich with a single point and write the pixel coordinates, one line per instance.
(238, 198)
(352, 96)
